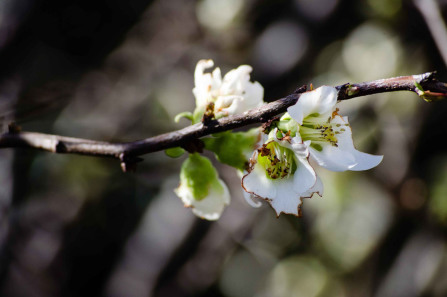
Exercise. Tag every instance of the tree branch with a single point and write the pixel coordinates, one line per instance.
(425, 85)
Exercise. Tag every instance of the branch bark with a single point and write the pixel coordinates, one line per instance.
(425, 85)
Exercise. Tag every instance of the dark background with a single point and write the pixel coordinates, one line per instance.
(121, 70)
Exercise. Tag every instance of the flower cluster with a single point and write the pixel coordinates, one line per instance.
(312, 129)
(200, 187)
(280, 170)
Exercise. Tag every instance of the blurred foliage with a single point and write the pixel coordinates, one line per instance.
(121, 70)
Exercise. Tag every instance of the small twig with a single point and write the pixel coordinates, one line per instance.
(425, 85)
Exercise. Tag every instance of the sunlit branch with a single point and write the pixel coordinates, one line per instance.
(425, 85)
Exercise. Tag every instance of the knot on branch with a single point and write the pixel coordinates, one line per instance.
(429, 88)
(61, 147)
(267, 125)
(208, 116)
(346, 91)
(300, 90)
(193, 146)
(425, 77)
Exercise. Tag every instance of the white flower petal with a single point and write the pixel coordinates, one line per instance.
(304, 177)
(254, 93)
(227, 105)
(286, 200)
(212, 206)
(301, 149)
(236, 79)
(321, 100)
(184, 193)
(333, 158)
(365, 161)
(317, 188)
(256, 182)
(200, 78)
(217, 78)
(344, 156)
(204, 83)
(252, 200)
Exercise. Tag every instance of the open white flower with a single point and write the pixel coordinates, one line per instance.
(233, 94)
(281, 174)
(329, 134)
(201, 189)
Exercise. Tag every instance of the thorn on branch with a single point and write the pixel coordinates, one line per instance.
(13, 128)
(61, 147)
(129, 163)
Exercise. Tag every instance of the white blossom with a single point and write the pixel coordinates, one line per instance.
(280, 173)
(329, 134)
(233, 94)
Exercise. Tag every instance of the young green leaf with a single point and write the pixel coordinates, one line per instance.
(174, 152)
(233, 149)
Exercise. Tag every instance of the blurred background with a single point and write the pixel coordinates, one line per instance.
(121, 70)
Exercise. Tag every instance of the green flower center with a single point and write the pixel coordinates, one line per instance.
(278, 161)
(321, 131)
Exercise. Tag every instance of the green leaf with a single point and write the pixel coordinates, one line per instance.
(174, 152)
(198, 174)
(233, 148)
(185, 114)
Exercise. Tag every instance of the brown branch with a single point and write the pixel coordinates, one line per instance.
(425, 85)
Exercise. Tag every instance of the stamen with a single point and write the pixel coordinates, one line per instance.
(320, 131)
(277, 161)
